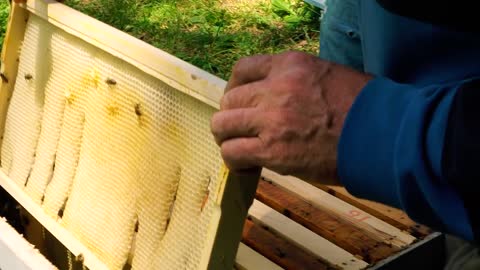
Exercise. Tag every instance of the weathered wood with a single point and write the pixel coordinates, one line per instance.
(391, 215)
(303, 237)
(249, 259)
(235, 196)
(279, 250)
(346, 235)
(377, 228)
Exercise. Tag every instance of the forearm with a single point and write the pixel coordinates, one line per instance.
(391, 150)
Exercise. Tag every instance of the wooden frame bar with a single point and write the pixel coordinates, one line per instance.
(303, 237)
(370, 247)
(349, 212)
(249, 259)
(390, 215)
(171, 70)
(279, 250)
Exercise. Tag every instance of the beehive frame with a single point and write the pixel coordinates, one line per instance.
(235, 191)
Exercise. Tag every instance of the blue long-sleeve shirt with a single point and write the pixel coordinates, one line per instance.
(410, 139)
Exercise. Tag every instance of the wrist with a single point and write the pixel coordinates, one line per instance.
(345, 86)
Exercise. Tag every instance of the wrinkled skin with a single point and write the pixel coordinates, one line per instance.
(286, 112)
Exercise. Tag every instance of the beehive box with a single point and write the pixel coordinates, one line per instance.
(106, 146)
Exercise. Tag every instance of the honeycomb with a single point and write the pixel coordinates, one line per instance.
(111, 153)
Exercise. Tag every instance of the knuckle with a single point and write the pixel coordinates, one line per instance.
(295, 56)
(215, 124)
(225, 101)
(226, 151)
(297, 77)
(267, 141)
(238, 67)
(228, 157)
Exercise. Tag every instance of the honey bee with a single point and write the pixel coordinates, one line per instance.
(138, 109)
(110, 81)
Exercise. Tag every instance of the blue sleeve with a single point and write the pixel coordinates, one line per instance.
(391, 150)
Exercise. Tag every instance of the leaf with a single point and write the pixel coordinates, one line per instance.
(292, 20)
(282, 8)
(197, 19)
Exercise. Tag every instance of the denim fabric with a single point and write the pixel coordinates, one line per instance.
(317, 3)
(340, 40)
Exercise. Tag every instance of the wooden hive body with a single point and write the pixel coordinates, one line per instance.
(290, 225)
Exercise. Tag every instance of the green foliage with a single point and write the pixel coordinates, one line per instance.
(4, 10)
(296, 13)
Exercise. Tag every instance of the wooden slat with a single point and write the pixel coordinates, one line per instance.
(327, 224)
(321, 199)
(279, 250)
(10, 58)
(249, 259)
(235, 194)
(393, 216)
(303, 237)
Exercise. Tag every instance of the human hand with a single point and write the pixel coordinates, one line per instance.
(285, 112)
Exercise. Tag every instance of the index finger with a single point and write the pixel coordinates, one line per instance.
(250, 69)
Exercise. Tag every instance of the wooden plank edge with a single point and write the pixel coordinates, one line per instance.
(331, 226)
(428, 253)
(16, 253)
(304, 238)
(175, 72)
(279, 250)
(323, 200)
(393, 216)
(249, 259)
(235, 195)
(90, 260)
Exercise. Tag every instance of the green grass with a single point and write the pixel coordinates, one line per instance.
(4, 9)
(211, 34)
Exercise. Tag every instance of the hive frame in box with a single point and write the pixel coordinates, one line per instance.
(235, 191)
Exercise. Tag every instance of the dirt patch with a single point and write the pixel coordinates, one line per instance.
(235, 5)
